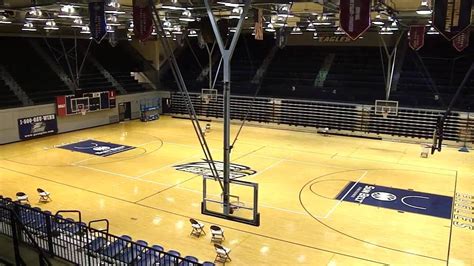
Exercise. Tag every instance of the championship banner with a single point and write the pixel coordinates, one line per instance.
(259, 24)
(142, 19)
(451, 17)
(354, 17)
(40, 125)
(97, 25)
(461, 41)
(417, 37)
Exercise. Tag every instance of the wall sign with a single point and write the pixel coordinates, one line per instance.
(35, 126)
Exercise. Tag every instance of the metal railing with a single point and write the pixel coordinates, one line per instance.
(76, 242)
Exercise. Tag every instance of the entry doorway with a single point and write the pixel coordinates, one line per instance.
(125, 111)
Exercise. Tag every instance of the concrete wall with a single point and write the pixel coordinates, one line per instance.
(9, 117)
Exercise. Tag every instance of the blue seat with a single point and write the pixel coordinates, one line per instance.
(96, 244)
(131, 253)
(147, 259)
(75, 228)
(114, 248)
(190, 261)
(170, 258)
(208, 263)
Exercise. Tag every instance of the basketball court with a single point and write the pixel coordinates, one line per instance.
(323, 200)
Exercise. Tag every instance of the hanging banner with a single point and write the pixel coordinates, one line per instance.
(259, 24)
(461, 41)
(142, 19)
(417, 37)
(451, 17)
(97, 25)
(35, 126)
(354, 17)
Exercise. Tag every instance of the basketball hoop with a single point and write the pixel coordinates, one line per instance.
(386, 108)
(208, 95)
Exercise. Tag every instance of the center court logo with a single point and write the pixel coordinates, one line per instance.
(98, 148)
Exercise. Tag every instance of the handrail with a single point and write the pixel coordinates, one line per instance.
(106, 230)
(16, 219)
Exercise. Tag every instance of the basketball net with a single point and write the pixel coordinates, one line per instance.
(385, 112)
(83, 111)
(206, 99)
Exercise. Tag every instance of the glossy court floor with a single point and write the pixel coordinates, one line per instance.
(299, 174)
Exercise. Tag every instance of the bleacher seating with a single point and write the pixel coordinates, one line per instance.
(247, 58)
(90, 79)
(355, 75)
(42, 84)
(78, 243)
(119, 64)
(446, 67)
(7, 98)
(34, 76)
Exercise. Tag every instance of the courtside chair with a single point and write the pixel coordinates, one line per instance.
(44, 195)
(208, 263)
(217, 234)
(222, 254)
(198, 228)
(22, 197)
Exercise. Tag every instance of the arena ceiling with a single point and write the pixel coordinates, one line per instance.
(70, 18)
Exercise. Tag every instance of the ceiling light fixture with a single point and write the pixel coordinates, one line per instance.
(50, 25)
(85, 30)
(186, 16)
(28, 26)
(296, 31)
(378, 20)
(432, 31)
(424, 9)
(310, 27)
(270, 28)
(4, 20)
(192, 33)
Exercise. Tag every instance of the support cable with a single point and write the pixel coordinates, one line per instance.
(194, 54)
(67, 59)
(439, 134)
(184, 92)
(259, 86)
(430, 80)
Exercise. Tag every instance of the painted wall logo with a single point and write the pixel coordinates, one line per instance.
(98, 148)
(202, 168)
(463, 216)
(398, 199)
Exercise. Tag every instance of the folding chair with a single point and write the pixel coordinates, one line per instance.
(22, 197)
(217, 234)
(222, 254)
(198, 228)
(44, 195)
